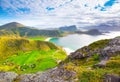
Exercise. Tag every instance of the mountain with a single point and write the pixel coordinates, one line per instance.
(71, 28)
(90, 32)
(25, 30)
(14, 44)
(113, 25)
(22, 55)
(11, 25)
(99, 61)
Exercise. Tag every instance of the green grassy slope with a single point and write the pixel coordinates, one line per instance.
(38, 38)
(84, 68)
(32, 61)
(26, 56)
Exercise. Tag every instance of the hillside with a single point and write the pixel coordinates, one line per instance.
(15, 27)
(71, 28)
(98, 62)
(90, 32)
(21, 55)
(113, 25)
(11, 25)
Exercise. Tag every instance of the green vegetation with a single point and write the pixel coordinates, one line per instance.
(94, 46)
(38, 38)
(28, 31)
(85, 68)
(99, 44)
(87, 73)
(32, 61)
(27, 56)
(10, 45)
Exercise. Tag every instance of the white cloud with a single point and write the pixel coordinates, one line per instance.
(65, 12)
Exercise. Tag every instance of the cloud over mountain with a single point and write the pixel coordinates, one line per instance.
(61, 12)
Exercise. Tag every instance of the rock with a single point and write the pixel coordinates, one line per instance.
(77, 55)
(7, 76)
(111, 78)
(25, 78)
(52, 75)
(102, 63)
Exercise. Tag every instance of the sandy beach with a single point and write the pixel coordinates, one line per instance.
(48, 39)
(68, 50)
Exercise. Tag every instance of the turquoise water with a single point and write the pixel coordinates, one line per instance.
(76, 41)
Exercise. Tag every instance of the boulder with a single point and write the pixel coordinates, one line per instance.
(111, 78)
(77, 55)
(7, 76)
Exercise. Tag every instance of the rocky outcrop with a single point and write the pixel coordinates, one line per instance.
(76, 55)
(112, 48)
(53, 75)
(111, 78)
(7, 76)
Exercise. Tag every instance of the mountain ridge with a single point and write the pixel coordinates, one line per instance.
(28, 31)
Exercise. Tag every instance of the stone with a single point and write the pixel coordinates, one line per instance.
(77, 55)
(111, 78)
(7, 76)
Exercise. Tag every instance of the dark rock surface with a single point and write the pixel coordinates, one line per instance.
(111, 78)
(53, 75)
(7, 76)
(76, 55)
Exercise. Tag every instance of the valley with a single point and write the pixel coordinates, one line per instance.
(73, 58)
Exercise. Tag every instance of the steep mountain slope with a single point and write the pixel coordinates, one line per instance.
(21, 55)
(11, 45)
(98, 62)
(15, 27)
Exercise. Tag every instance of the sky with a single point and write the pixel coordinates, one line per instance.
(56, 13)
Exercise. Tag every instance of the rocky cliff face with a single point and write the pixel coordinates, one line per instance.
(100, 61)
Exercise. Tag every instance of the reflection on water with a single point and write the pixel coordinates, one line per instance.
(76, 41)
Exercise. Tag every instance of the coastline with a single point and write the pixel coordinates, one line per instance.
(47, 39)
(67, 50)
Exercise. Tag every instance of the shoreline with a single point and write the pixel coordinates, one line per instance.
(47, 39)
(67, 50)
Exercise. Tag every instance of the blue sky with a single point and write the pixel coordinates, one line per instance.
(55, 13)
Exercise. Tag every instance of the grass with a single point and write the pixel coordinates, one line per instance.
(95, 46)
(22, 55)
(38, 38)
(12, 45)
(85, 71)
(32, 61)
(84, 68)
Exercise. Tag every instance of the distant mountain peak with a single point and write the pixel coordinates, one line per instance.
(11, 26)
(14, 24)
